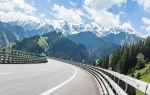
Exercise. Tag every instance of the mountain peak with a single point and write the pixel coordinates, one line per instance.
(68, 28)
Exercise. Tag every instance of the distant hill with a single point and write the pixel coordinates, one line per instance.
(10, 33)
(55, 45)
(121, 38)
(95, 45)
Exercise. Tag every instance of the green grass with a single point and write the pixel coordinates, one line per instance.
(43, 43)
(143, 71)
(139, 92)
(145, 76)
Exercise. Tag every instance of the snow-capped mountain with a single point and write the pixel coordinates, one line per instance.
(121, 38)
(69, 28)
(99, 41)
(39, 27)
(60, 26)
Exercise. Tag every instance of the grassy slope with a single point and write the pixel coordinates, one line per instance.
(43, 44)
(145, 76)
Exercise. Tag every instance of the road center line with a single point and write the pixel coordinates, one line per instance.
(60, 85)
(6, 73)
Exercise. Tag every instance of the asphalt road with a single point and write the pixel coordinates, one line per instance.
(52, 78)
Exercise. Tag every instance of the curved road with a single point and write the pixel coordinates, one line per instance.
(52, 78)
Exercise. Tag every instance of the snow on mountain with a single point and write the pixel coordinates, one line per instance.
(121, 38)
(38, 27)
(69, 28)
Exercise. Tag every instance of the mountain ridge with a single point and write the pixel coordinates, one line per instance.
(25, 29)
(56, 46)
(70, 28)
(95, 45)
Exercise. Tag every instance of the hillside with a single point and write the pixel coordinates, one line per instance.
(129, 57)
(121, 38)
(9, 33)
(95, 45)
(55, 45)
(142, 74)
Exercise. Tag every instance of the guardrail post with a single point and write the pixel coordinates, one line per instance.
(19, 53)
(126, 87)
(0, 57)
(12, 56)
(20, 57)
(4, 55)
(23, 57)
(114, 78)
(131, 90)
(146, 90)
(118, 81)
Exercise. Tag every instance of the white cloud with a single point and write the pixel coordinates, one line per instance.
(13, 16)
(146, 22)
(145, 4)
(103, 4)
(71, 15)
(16, 5)
(16, 10)
(103, 17)
(97, 11)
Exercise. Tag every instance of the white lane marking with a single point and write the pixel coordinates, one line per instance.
(6, 73)
(44, 69)
(60, 85)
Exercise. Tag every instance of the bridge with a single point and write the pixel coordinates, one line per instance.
(61, 77)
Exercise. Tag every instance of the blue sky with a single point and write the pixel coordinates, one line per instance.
(134, 14)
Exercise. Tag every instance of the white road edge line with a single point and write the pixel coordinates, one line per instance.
(6, 73)
(60, 85)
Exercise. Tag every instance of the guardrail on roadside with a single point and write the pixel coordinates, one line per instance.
(113, 83)
(20, 57)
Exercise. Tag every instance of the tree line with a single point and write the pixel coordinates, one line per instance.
(127, 58)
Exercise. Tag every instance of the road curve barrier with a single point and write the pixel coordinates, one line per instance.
(113, 83)
(20, 57)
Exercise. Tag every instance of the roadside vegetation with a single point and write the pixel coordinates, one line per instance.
(130, 59)
(142, 74)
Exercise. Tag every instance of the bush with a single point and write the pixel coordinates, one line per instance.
(132, 75)
(138, 75)
(139, 66)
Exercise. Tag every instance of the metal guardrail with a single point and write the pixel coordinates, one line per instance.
(113, 83)
(137, 84)
(20, 57)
